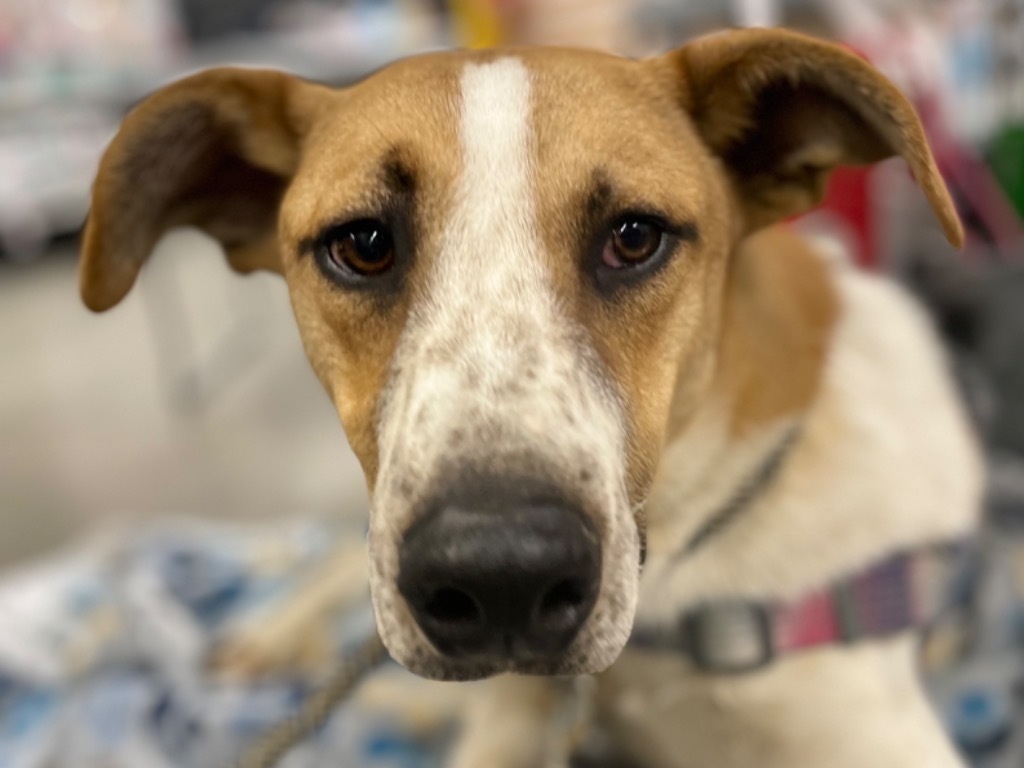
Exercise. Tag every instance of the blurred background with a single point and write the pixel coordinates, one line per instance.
(193, 401)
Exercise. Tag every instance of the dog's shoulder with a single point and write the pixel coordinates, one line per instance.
(887, 434)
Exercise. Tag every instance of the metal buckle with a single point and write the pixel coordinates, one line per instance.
(729, 637)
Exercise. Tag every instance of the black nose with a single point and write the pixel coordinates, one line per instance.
(514, 584)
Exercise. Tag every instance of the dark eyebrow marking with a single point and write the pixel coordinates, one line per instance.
(600, 196)
(398, 174)
(602, 203)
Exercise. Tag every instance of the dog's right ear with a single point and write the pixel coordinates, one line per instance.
(783, 110)
(216, 151)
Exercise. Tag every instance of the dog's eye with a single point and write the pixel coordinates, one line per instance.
(631, 243)
(362, 247)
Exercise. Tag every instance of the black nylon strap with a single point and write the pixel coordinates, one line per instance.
(746, 494)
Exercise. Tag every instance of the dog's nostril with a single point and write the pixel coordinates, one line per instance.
(567, 593)
(562, 603)
(453, 606)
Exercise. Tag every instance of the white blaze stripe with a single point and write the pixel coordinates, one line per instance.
(488, 282)
(494, 195)
(492, 263)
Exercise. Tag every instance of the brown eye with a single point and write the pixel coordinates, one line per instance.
(631, 243)
(363, 247)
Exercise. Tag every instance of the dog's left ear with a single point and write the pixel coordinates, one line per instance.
(783, 110)
(216, 151)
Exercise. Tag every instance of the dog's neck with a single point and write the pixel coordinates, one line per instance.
(779, 314)
(847, 358)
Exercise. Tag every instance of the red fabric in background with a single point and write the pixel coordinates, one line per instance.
(849, 198)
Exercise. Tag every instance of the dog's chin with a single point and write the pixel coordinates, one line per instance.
(449, 670)
(430, 664)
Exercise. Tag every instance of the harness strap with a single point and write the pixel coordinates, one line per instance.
(747, 493)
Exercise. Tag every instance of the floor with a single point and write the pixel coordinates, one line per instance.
(190, 399)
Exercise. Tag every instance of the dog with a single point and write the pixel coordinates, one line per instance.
(598, 389)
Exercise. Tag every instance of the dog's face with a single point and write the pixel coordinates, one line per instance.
(514, 355)
(507, 269)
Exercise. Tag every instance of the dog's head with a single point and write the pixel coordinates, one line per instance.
(507, 269)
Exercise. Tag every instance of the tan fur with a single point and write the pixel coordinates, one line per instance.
(642, 336)
(348, 339)
(712, 359)
(780, 311)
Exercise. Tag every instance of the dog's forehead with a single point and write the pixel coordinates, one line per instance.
(420, 100)
(585, 113)
(592, 77)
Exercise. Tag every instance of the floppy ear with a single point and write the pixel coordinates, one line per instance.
(782, 110)
(216, 151)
